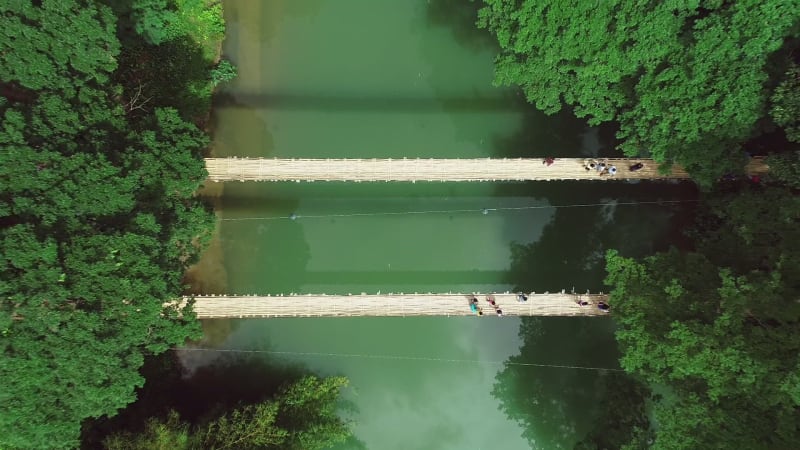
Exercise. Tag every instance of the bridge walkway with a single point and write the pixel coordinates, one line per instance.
(386, 305)
(413, 170)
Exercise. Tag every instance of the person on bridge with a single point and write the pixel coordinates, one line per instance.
(522, 297)
(490, 299)
(499, 312)
(635, 167)
(549, 161)
(603, 306)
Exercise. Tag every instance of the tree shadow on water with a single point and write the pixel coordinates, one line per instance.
(583, 408)
(570, 407)
(211, 389)
(590, 218)
(460, 16)
(556, 405)
(560, 135)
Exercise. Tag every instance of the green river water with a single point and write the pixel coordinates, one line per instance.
(412, 78)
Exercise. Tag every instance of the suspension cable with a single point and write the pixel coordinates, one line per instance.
(453, 211)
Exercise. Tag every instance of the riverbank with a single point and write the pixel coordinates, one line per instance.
(100, 217)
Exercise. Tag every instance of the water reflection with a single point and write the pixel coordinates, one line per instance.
(460, 17)
(562, 408)
(557, 406)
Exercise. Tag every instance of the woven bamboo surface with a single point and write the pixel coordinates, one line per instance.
(245, 169)
(559, 304)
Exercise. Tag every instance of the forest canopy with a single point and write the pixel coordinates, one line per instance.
(687, 82)
(718, 327)
(300, 416)
(97, 210)
(708, 332)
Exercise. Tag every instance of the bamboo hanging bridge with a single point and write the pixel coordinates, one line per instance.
(413, 170)
(387, 305)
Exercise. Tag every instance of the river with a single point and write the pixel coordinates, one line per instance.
(370, 78)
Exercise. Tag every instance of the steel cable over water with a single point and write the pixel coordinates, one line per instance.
(484, 211)
(424, 358)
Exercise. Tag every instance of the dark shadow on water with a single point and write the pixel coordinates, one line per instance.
(405, 277)
(342, 103)
(558, 135)
(212, 389)
(460, 16)
(556, 406)
(560, 407)
(584, 409)
(287, 196)
(570, 251)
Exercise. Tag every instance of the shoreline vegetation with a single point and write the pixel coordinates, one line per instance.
(709, 333)
(105, 107)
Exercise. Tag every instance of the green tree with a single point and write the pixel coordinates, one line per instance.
(224, 71)
(98, 220)
(719, 326)
(155, 20)
(60, 46)
(171, 434)
(785, 168)
(302, 416)
(785, 110)
(686, 81)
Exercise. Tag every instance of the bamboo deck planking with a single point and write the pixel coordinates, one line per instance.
(412, 170)
(387, 305)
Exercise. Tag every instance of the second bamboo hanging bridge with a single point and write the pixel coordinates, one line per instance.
(397, 305)
(481, 169)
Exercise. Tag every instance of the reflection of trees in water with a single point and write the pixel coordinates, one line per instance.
(556, 406)
(566, 408)
(570, 250)
(460, 16)
(558, 135)
(559, 407)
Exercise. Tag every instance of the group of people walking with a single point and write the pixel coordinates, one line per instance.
(602, 167)
(602, 306)
(475, 308)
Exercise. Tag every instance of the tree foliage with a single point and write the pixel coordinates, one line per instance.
(98, 220)
(785, 168)
(687, 81)
(720, 326)
(224, 71)
(302, 416)
(785, 101)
